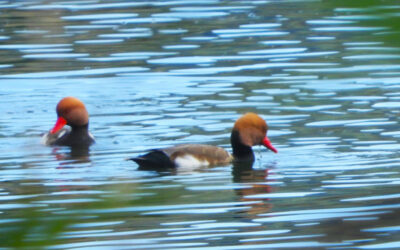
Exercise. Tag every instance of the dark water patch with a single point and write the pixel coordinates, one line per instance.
(144, 53)
(213, 8)
(328, 22)
(56, 50)
(199, 38)
(125, 35)
(282, 238)
(362, 43)
(143, 20)
(253, 34)
(275, 51)
(55, 55)
(172, 31)
(99, 41)
(113, 58)
(190, 15)
(99, 16)
(82, 6)
(89, 27)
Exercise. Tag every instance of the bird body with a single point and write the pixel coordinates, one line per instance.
(249, 130)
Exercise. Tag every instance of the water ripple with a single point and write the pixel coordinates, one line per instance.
(159, 73)
(371, 198)
(191, 14)
(55, 55)
(349, 29)
(99, 16)
(87, 72)
(274, 51)
(216, 70)
(387, 245)
(282, 195)
(33, 46)
(138, 20)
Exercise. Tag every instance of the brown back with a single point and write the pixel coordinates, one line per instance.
(212, 154)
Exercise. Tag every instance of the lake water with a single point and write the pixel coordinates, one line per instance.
(325, 76)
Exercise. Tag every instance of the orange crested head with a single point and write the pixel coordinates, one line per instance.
(70, 111)
(252, 130)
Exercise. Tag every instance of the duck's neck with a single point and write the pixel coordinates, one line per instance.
(80, 130)
(79, 135)
(241, 152)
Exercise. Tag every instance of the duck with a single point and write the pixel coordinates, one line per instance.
(72, 112)
(249, 130)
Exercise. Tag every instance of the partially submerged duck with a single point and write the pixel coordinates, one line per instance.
(72, 112)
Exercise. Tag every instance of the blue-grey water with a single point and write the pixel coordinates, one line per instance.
(325, 76)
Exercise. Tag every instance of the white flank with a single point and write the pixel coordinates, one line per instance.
(91, 136)
(49, 138)
(45, 139)
(190, 162)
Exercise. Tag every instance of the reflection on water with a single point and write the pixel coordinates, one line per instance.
(79, 154)
(324, 75)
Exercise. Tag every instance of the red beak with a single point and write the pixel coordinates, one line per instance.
(267, 143)
(61, 122)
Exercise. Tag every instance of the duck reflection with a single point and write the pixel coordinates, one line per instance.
(72, 112)
(72, 154)
(243, 172)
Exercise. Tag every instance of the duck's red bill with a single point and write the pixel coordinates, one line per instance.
(267, 143)
(61, 122)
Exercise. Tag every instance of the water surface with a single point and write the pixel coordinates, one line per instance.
(157, 73)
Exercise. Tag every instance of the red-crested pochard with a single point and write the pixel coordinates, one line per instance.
(70, 111)
(249, 130)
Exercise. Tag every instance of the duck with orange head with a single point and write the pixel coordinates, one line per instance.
(248, 131)
(72, 112)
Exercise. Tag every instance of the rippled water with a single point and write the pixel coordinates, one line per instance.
(156, 73)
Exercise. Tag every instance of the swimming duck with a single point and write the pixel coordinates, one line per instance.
(72, 112)
(249, 130)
